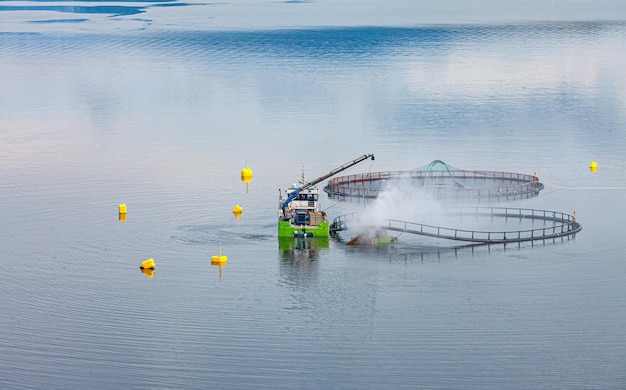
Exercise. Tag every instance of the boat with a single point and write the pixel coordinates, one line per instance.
(299, 214)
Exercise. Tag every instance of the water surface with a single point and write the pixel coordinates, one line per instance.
(165, 121)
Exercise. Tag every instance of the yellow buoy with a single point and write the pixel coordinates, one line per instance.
(220, 264)
(593, 166)
(219, 259)
(147, 264)
(122, 208)
(246, 174)
(237, 210)
(148, 272)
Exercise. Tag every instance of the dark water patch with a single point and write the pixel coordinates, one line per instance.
(191, 240)
(102, 9)
(329, 45)
(256, 237)
(112, 1)
(174, 5)
(214, 235)
(122, 8)
(335, 44)
(112, 10)
(59, 21)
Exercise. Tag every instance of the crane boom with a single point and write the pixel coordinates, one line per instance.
(326, 176)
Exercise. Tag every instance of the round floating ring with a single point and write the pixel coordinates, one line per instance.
(563, 225)
(440, 179)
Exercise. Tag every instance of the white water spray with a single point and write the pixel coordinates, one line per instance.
(402, 199)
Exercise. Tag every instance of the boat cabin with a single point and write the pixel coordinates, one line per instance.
(303, 210)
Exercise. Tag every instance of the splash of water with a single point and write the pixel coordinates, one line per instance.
(402, 199)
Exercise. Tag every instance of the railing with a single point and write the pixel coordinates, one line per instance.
(369, 185)
(564, 225)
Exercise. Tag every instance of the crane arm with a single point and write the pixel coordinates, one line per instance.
(326, 176)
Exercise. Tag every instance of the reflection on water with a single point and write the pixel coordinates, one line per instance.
(310, 245)
(220, 265)
(429, 251)
(101, 9)
(148, 272)
(128, 7)
(300, 260)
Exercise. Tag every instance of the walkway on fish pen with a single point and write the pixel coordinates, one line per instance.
(564, 225)
(442, 180)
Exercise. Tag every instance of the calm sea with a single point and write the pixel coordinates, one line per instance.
(98, 108)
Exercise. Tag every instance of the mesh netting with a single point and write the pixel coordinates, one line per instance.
(440, 179)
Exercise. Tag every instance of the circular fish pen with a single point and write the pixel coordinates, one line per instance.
(553, 225)
(441, 180)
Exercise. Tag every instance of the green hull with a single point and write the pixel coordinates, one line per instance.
(299, 244)
(286, 230)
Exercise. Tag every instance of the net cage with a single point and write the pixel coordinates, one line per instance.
(441, 180)
(529, 225)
